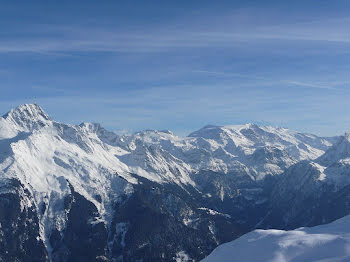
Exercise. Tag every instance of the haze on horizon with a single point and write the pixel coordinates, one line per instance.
(180, 65)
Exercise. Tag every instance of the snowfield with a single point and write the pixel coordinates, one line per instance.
(324, 243)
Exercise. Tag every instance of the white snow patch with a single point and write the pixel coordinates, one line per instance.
(182, 257)
(213, 212)
(330, 242)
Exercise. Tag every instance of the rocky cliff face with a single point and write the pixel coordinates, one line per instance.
(19, 224)
(84, 237)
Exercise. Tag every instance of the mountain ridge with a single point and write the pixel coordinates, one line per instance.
(185, 182)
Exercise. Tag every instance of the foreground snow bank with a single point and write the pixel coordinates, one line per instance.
(325, 243)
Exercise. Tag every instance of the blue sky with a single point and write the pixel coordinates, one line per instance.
(179, 65)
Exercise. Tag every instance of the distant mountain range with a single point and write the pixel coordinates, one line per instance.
(82, 193)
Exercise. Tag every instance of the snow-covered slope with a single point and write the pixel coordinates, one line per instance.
(331, 168)
(312, 192)
(330, 242)
(59, 163)
(335, 163)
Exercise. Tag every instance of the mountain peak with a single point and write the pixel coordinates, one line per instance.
(212, 131)
(91, 127)
(347, 136)
(338, 151)
(27, 117)
(28, 110)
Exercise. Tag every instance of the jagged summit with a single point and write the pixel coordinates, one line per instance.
(347, 136)
(27, 110)
(27, 117)
(339, 151)
(92, 127)
(217, 148)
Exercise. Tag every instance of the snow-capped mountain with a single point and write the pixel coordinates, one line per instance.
(259, 150)
(329, 242)
(151, 195)
(312, 192)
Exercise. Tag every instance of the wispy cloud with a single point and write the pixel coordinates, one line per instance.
(311, 85)
(228, 74)
(55, 40)
(253, 65)
(270, 81)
